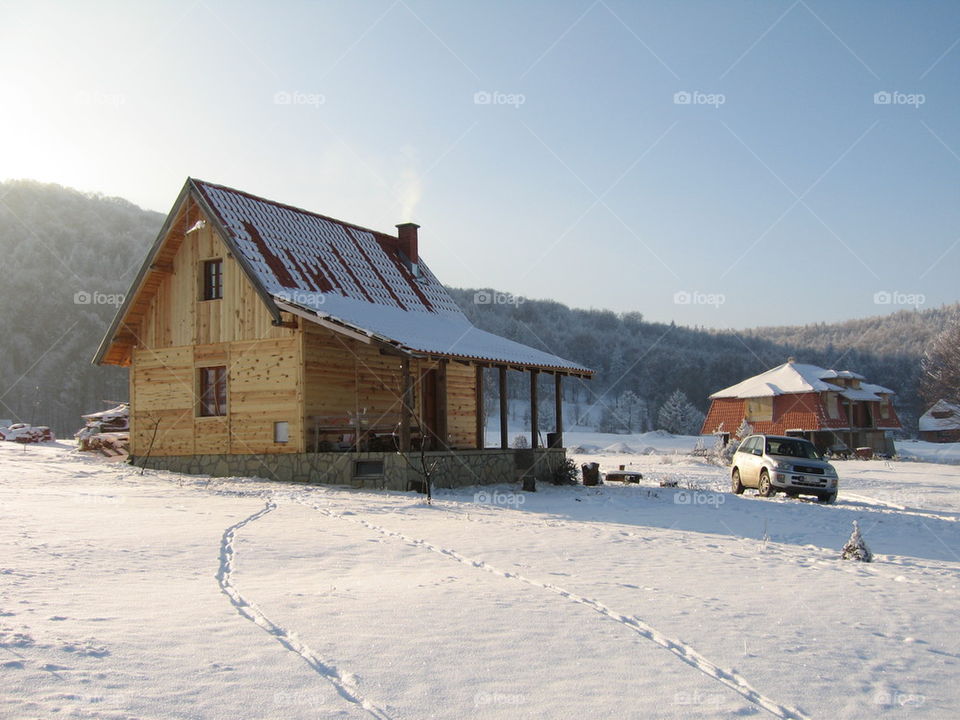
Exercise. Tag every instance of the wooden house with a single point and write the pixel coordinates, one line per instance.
(827, 407)
(264, 339)
(941, 423)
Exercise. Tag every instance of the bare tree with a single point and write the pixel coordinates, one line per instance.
(940, 367)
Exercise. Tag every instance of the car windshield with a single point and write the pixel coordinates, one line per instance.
(792, 448)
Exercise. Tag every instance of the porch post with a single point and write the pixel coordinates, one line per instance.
(558, 399)
(442, 424)
(504, 441)
(534, 410)
(406, 404)
(481, 411)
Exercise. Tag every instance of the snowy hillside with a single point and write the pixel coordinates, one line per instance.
(161, 596)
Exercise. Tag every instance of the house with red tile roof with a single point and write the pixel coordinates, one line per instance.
(828, 407)
(266, 339)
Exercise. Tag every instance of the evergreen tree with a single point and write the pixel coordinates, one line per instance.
(679, 416)
(856, 548)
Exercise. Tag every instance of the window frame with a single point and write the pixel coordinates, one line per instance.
(211, 281)
(212, 377)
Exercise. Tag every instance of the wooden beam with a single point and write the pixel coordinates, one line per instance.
(504, 440)
(534, 410)
(406, 404)
(162, 267)
(442, 432)
(481, 417)
(558, 400)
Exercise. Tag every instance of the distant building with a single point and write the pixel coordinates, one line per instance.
(827, 407)
(941, 423)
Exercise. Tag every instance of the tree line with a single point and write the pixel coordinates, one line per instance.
(68, 257)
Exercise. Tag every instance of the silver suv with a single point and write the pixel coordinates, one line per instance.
(773, 464)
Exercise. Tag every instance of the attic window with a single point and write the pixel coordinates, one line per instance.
(213, 279)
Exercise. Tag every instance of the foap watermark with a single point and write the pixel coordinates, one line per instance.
(83, 297)
(313, 701)
(299, 297)
(495, 97)
(689, 497)
(486, 699)
(896, 297)
(685, 297)
(296, 97)
(503, 499)
(86, 499)
(99, 99)
(885, 97)
(485, 297)
(695, 97)
(899, 699)
(697, 698)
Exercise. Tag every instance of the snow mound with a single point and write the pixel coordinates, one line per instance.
(584, 449)
(620, 447)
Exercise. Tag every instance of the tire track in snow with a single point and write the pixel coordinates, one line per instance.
(685, 652)
(252, 613)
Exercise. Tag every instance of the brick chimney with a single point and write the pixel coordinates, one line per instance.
(407, 235)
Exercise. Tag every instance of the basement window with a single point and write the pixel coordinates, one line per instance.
(213, 279)
(281, 432)
(368, 468)
(213, 391)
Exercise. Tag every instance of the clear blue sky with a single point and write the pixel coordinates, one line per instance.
(797, 199)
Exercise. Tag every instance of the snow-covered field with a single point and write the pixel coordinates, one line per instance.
(161, 596)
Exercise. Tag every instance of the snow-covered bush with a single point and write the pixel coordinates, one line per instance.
(520, 442)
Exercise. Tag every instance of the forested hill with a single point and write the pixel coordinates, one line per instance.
(64, 257)
(67, 256)
(654, 359)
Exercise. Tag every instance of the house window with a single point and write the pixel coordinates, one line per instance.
(213, 391)
(212, 279)
(281, 432)
(885, 408)
(760, 409)
(833, 406)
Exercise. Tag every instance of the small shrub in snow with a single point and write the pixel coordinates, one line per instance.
(520, 442)
(566, 474)
(856, 548)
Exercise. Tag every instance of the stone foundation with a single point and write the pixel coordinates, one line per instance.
(376, 470)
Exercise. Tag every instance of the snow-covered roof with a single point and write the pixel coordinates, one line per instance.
(848, 374)
(791, 377)
(930, 423)
(358, 278)
(860, 393)
(348, 277)
(794, 377)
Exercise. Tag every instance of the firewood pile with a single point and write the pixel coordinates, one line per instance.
(106, 432)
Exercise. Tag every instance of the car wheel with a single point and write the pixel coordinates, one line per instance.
(735, 483)
(765, 487)
(828, 498)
